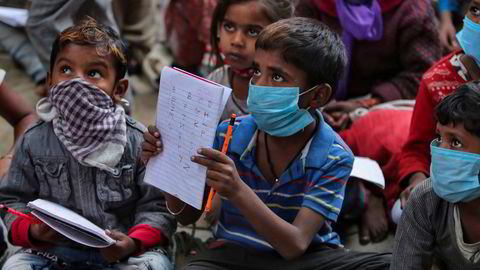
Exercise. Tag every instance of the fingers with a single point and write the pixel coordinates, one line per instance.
(115, 235)
(214, 155)
(404, 197)
(152, 144)
(211, 164)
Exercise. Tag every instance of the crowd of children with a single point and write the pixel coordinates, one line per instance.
(300, 71)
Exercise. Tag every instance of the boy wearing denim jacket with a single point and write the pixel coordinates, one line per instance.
(84, 155)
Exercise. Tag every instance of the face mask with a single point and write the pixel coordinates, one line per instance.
(276, 111)
(87, 122)
(469, 38)
(455, 174)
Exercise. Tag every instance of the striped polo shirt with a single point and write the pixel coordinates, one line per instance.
(316, 179)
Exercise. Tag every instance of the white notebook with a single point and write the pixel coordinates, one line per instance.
(188, 111)
(70, 224)
(368, 170)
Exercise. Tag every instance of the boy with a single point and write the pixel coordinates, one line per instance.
(283, 178)
(85, 156)
(442, 216)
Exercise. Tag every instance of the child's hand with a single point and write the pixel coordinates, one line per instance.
(152, 145)
(43, 232)
(124, 247)
(221, 172)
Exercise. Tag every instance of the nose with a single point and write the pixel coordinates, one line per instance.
(238, 39)
(444, 144)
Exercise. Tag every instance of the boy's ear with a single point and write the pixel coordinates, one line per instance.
(120, 89)
(322, 95)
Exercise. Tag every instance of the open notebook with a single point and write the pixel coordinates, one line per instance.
(188, 111)
(70, 224)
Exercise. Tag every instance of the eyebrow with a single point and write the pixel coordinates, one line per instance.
(99, 63)
(242, 25)
(61, 58)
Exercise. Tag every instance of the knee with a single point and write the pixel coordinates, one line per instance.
(22, 261)
(152, 261)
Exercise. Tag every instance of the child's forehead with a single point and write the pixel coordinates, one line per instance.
(85, 54)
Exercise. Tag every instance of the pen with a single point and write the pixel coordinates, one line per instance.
(226, 141)
(20, 214)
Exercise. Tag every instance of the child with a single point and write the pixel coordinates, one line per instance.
(283, 179)
(442, 216)
(234, 30)
(440, 80)
(85, 156)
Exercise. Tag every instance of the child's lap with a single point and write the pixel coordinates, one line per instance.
(26, 259)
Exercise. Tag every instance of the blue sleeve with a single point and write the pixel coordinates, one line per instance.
(326, 189)
(447, 5)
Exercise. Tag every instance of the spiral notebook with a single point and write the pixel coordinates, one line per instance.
(188, 110)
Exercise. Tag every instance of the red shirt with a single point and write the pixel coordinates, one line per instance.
(439, 81)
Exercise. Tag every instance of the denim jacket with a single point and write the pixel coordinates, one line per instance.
(43, 168)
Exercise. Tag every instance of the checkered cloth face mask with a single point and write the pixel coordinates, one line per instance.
(87, 122)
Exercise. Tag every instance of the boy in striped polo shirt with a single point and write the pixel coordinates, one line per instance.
(283, 179)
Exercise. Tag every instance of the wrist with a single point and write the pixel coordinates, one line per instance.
(240, 194)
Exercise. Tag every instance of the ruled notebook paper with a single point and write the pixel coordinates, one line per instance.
(188, 111)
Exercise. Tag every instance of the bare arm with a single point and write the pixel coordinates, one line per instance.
(289, 239)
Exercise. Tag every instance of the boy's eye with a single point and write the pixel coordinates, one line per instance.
(66, 70)
(475, 11)
(456, 143)
(438, 138)
(256, 72)
(229, 27)
(253, 32)
(277, 78)
(94, 74)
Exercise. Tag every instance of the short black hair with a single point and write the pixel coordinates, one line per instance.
(309, 45)
(462, 107)
(91, 33)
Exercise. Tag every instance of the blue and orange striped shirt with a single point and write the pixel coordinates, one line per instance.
(316, 179)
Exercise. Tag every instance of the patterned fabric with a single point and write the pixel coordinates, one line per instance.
(439, 81)
(395, 64)
(87, 122)
(316, 179)
(427, 231)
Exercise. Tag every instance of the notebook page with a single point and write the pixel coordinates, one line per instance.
(59, 212)
(188, 110)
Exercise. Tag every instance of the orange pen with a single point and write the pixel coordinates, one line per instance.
(226, 141)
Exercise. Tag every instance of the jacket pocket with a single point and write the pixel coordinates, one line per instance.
(116, 189)
(53, 176)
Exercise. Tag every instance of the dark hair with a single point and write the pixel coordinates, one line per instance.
(274, 10)
(464, 4)
(462, 107)
(309, 45)
(90, 33)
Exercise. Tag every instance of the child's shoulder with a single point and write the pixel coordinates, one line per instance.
(423, 195)
(220, 75)
(135, 126)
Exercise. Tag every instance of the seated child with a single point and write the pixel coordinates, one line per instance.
(283, 179)
(234, 30)
(442, 216)
(84, 155)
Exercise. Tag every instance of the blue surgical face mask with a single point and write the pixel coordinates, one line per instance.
(469, 38)
(276, 111)
(455, 174)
